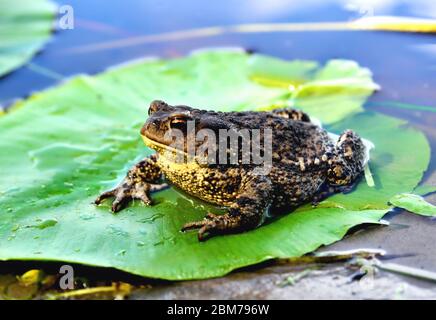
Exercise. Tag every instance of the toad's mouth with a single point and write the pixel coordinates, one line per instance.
(159, 146)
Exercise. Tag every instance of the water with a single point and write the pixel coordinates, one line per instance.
(403, 64)
(46, 223)
(117, 230)
(151, 219)
(97, 22)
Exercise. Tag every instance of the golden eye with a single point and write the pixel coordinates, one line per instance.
(179, 123)
(178, 120)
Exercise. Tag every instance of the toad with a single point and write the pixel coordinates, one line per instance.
(305, 164)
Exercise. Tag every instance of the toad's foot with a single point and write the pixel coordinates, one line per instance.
(215, 224)
(142, 178)
(346, 164)
(126, 192)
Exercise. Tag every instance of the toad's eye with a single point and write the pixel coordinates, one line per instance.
(179, 119)
(178, 123)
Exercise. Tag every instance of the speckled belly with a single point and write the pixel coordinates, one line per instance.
(201, 182)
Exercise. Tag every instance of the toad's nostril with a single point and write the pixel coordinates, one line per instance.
(155, 123)
(150, 125)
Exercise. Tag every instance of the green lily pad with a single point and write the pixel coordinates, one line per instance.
(25, 27)
(63, 146)
(330, 93)
(424, 189)
(414, 203)
(337, 90)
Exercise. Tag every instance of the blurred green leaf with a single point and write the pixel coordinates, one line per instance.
(413, 203)
(25, 25)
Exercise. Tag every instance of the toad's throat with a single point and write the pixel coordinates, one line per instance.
(173, 168)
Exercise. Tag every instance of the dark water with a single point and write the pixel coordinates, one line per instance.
(403, 64)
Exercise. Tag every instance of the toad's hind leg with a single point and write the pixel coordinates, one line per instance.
(347, 161)
(246, 213)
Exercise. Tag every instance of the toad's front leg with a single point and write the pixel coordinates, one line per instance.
(246, 213)
(141, 179)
